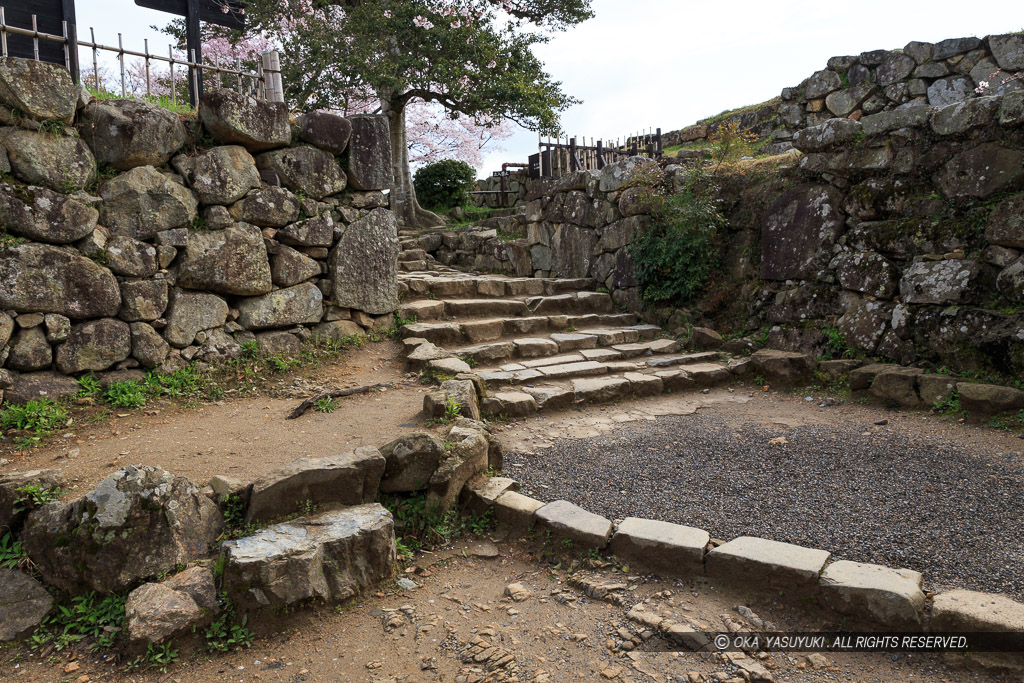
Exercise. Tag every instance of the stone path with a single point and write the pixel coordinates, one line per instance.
(543, 343)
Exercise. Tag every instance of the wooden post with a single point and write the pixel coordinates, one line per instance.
(600, 154)
(193, 50)
(574, 163)
(658, 142)
(272, 76)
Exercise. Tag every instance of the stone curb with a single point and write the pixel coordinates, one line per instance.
(890, 598)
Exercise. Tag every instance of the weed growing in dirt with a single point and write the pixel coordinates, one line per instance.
(228, 632)
(452, 409)
(129, 394)
(234, 519)
(949, 405)
(86, 617)
(89, 386)
(32, 496)
(325, 405)
(36, 419)
(11, 552)
(424, 526)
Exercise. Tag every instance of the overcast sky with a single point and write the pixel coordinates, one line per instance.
(642, 64)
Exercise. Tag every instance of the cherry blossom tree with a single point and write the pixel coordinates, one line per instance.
(471, 58)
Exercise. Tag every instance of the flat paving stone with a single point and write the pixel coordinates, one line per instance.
(511, 404)
(515, 511)
(534, 347)
(554, 360)
(644, 385)
(891, 597)
(708, 374)
(756, 562)
(550, 397)
(665, 548)
(451, 366)
(572, 342)
(585, 368)
(566, 520)
(599, 388)
(600, 354)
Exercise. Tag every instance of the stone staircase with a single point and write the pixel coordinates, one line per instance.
(542, 343)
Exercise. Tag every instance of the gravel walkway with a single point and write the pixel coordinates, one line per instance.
(920, 503)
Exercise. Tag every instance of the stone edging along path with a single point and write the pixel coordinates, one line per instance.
(887, 597)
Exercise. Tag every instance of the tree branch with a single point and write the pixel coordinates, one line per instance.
(336, 393)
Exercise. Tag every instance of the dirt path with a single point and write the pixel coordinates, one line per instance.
(555, 634)
(244, 437)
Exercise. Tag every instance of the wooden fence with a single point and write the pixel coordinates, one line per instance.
(555, 159)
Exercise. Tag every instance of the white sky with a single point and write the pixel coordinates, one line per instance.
(642, 64)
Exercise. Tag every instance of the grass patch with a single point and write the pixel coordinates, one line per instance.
(86, 618)
(179, 107)
(424, 526)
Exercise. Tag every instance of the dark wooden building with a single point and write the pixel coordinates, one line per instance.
(49, 17)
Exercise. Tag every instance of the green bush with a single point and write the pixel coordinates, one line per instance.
(444, 184)
(675, 256)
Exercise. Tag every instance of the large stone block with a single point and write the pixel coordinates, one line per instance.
(369, 153)
(867, 272)
(331, 556)
(221, 175)
(157, 613)
(467, 458)
(568, 521)
(798, 232)
(229, 261)
(271, 207)
(44, 215)
(327, 131)
(38, 278)
(94, 345)
(783, 366)
(144, 202)
(669, 549)
(290, 267)
(306, 170)
(143, 300)
(298, 305)
(898, 385)
(61, 163)
(982, 171)
(236, 119)
(129, 133)
(410, 462)
(364, 264)
(192, 312)
(1006, 223)
(348, 479)
(757, 562)
(134, 525)
(941, 282)
(11, 515)
(890, 597)
(39, 90)
(24, 603)
(826, 135)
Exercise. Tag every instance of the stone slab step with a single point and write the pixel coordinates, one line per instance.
(494, 329)
(466, 308)
(647, 348)
(424, 309)
(580, 302)
(426, 283)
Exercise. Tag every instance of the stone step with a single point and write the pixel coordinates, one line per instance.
(474, 308)
(579, 302)
(493, 329)
(681, 374)
(557, 343)
(431, 283)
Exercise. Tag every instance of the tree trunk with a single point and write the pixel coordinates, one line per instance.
(403, 196)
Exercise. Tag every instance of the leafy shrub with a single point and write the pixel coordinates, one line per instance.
(444, 184)
(40, 416)
(675, 256)
(130, 394)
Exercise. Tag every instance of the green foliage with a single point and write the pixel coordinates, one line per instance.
(11, 552)
(423, 525)
(729, 142)
(949, 404)
(37, 418)
(159, 657)
(89, 386)
(228, 632)
(129, 394)
(835, 344)
(32, 496)
(234, 520)
(444, 184)
(452, 409)
(88, 616)
(677, 254)
(325, 405)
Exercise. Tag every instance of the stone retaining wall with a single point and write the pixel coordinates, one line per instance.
(135, 238)
(852, 86)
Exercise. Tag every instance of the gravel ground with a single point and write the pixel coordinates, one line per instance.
(920, 503)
